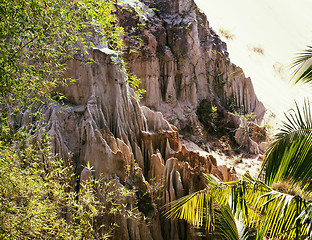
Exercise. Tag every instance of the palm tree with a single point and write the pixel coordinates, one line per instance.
(303, 67)
(278, 203)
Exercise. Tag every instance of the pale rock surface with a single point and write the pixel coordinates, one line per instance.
(86, 175)
(104, 127)
(263, 146)
(157, 167)
(181, 62)
(243, 139)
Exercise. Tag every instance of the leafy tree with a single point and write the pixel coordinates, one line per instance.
(37, 37)
(37, 199)
(277, 204)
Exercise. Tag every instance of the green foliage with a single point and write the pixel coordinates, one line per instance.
(36, 39)
(245, 209)
(38, 201)
(279, 208)
(288, 157)
(38, 36)
(242, 113)
(33, 194)
(207, 111)
(210, 208)
(207, 114)
(134, 82)
(249, 116)
(198, 129)
(303, 67)
(38, 195)
(213, 113)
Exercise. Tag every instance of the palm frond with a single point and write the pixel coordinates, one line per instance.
(285, 216)
(231, 210)
(278, 213)
(306, 218)
(245, 209)
(209, 207)
(303, 67)
(198, 208)
(191, 207)
(227, 227)
(288, 157)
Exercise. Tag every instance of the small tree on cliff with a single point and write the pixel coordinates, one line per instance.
(278, 203)
(37, 37)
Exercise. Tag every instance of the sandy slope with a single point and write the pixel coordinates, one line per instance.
(280, 27)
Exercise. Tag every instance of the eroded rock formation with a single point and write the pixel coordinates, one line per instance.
(101, 124)
(182, 61)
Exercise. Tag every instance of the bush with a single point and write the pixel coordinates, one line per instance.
(207, 112)
(38, 202)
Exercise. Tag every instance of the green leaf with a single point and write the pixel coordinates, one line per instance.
(303, 67)
(288, 157)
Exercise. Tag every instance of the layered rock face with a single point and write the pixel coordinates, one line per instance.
(102, 125)
(180, 62)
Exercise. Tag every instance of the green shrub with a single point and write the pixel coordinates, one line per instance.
(37, 200)
(207, 112)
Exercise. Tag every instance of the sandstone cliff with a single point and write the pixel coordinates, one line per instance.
(181, 62)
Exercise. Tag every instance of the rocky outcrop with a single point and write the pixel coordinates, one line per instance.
(182, 61)
(248, 134)
(103, 132)
(101, 125)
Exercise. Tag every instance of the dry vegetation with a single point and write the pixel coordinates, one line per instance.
(257, 49)
(227, 34)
